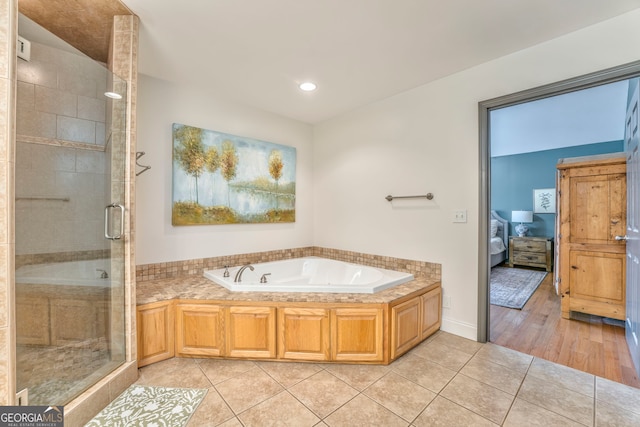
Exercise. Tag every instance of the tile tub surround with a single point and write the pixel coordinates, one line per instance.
(475, 384)
(196, 267)
(201, 288)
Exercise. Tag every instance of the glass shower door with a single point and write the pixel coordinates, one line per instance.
(70, 186)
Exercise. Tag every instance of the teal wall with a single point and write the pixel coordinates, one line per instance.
(513, 179)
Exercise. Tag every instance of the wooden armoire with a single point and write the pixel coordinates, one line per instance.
(591, 200)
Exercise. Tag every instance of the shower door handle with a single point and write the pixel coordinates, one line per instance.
(107, 221)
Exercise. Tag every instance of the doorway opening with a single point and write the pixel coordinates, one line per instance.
(595, 80)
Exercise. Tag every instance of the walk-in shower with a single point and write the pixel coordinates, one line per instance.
(69, 256)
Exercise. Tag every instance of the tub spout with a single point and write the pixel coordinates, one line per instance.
(103, 273)
(238, 277)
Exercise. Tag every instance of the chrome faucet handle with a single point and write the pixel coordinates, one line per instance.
(226, 271)
(263, 279)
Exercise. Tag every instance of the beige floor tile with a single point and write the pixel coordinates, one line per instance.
(401, 396)
(506, 357)
(248, 389)
(174, 372)
(288, 374)
(608, 415)
(619, 395)
(562, 401)
(364, 412)
(444, 413)
(424, 372)
(279, 410)
(459, 343)
(442, 354)
(358, 376)
(484, 400)
(493, 374)
(563, 376)
(523, 413)
(218, 370)
(323, 393)
(212, 411)
(233, 422)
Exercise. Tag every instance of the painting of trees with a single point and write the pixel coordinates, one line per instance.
(212, 163)
(275, 168)
(257, 186)
(190, 152)
(228, 164)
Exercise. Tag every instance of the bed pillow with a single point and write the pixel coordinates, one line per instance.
(494, 227)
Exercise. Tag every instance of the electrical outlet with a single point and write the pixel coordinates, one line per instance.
(446, 301)
(460, 215)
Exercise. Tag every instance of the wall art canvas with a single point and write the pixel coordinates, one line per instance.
(544, 200)
(220, 178)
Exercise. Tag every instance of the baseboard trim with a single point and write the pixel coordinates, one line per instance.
(463, 329)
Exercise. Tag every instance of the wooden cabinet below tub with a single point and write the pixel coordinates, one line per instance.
(357, 334)
(251, 332)
(155, 326)
(414, 320)
(303, 333)
(321, 332)
(199, 330)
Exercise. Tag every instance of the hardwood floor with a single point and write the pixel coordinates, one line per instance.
(588, 343)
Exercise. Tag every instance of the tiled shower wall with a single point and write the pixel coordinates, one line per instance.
(60, 153)
(60, 96)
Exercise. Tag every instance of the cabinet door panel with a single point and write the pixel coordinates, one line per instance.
(251, 332)
(431, 312)
(303, 333)
(199, 330)
(598, 208)
(597, 275)
(405, 326)
(357, 334)
(155, 324)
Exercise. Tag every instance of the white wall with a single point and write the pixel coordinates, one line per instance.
(160, 105)
(426, 140)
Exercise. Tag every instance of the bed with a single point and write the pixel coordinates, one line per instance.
(498, 238)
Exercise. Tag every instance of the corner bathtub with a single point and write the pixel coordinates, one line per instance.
(72, 273)
(310, 274)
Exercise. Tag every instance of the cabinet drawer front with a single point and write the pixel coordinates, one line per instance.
(530, 246)
(529, 257)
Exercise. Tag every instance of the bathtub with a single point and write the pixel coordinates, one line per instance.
(310, 274)
(72, 273)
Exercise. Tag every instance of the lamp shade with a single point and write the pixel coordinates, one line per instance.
(521, 216)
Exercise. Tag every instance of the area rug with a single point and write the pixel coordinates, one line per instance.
(145, 406)
(512, 287)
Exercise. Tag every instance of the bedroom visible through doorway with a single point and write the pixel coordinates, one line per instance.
(537, 328)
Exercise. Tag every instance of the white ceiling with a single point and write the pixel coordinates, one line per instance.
(255, 52)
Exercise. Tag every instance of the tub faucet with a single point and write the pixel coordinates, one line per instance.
(238, 277)
(104, 274)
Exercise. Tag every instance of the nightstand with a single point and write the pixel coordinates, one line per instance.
(531, 251)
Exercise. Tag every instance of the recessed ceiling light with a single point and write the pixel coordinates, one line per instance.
(307, 86)
(113, 95)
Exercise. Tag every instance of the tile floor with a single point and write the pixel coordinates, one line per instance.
(445, 381)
